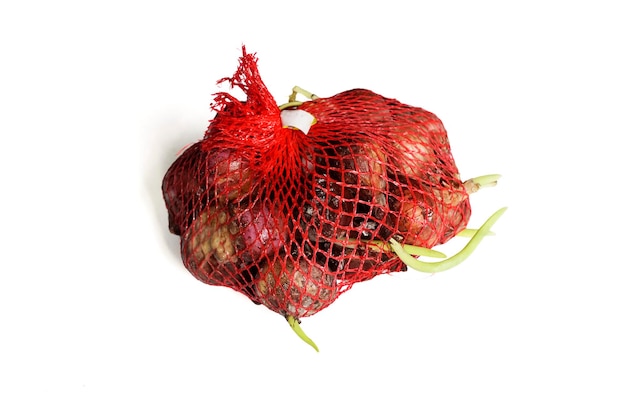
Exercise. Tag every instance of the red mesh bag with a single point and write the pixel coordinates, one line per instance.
(293, 219)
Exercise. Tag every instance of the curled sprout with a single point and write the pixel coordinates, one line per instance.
(292, 98)
(290, 104)
(295, 325)
(432, 267)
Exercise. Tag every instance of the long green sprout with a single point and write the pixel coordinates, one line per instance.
(463, 254)
(295, 325)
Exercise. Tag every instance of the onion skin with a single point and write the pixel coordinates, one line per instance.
(200, 177)
(208, 249)
(260, 234)
(429, 215)
(297, 289)
(224, 245)
(229, 175)
(183, 181)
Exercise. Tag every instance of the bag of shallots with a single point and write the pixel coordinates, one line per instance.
(292, 205)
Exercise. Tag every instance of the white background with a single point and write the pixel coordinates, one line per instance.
(98, 317)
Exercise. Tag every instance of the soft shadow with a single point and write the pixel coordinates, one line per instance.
(166, 140)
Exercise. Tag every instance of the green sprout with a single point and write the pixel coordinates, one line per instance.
(432, 267)
(295, 325)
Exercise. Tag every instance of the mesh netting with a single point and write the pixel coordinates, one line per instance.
(293, 220)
